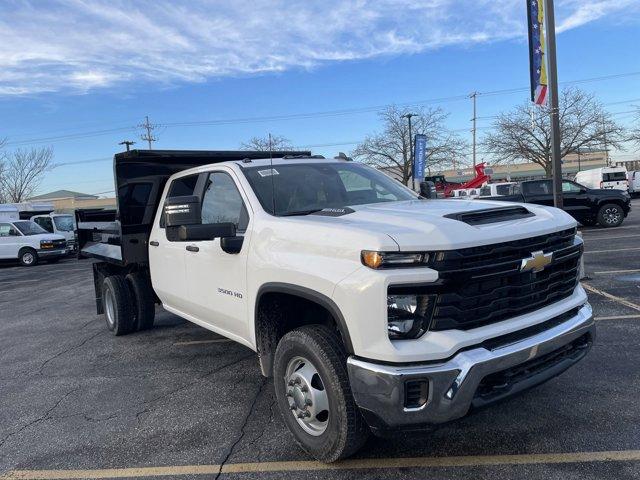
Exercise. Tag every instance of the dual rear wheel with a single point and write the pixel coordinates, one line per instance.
(128, 302)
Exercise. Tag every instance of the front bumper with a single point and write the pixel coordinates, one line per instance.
(472, 378)
(52, 253)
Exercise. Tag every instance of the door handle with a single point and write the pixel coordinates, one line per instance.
(153, 243)
(192, 248)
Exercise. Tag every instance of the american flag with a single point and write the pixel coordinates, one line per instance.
(537, 64)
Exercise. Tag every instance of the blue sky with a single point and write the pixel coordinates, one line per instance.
(85, 67)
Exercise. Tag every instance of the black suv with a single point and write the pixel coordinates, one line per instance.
(608, 208)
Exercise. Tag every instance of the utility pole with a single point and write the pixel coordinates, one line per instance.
(408, 117)
(579, 168)
(149, 127)
(128, 143)
(554, 112)
(606, 146)
(473, 96)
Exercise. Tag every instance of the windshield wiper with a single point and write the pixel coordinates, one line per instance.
(300, 212)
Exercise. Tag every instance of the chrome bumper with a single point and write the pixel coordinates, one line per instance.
(453, 386)
(52, 253)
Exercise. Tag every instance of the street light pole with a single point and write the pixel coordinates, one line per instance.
(554, 114)
(408, 117)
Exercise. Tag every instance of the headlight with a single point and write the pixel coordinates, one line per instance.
(409, 315)
(46, 244)
(377, 260)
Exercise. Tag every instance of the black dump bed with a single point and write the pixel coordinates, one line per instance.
(120, 236)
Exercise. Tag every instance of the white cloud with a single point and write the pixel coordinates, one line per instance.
(77, 45)
(584, 12)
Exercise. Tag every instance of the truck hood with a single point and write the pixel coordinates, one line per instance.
(422, 224)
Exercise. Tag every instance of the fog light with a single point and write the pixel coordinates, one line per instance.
(409, 315)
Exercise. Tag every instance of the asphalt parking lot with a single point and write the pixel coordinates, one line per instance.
(179, 402)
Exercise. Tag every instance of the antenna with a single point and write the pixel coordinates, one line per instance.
(273, 182)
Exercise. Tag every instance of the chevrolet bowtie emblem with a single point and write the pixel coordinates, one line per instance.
(536, 262)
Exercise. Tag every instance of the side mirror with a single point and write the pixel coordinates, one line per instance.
(183, 210)
(206, 232)
(428, 190)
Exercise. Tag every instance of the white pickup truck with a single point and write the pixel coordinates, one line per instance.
(372, 309)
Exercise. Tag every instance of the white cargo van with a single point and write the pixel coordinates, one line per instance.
(60, 223)
(28, 243)
(633, 178)
(604, 177)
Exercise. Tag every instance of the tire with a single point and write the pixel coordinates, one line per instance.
(610, 215)
(329, 434)
(28, 257)
(143, 300)
(118, 305)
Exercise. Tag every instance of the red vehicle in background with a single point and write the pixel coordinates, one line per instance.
(444, 187)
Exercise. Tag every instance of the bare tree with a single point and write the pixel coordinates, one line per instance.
(634, 135)
(391, 149)
(23, 172)
(517, 135)
(261, 144)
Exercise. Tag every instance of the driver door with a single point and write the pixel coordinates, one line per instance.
(217, 280)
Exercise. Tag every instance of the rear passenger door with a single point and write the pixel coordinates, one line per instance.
(539, 192)
(217, 280)
(167, 257)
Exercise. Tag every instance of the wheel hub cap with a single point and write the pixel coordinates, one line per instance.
(611, 215)
(306, 395)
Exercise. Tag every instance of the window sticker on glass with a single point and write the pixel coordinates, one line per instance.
(268, 173)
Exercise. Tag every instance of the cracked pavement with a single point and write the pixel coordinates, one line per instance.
(72, 396)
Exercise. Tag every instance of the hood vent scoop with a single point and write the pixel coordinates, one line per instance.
(491, 215)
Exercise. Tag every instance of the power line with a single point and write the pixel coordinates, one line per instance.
(298, 116)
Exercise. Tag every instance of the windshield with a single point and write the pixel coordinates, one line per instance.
(29, 228)
(304, 188)
(614, 176)
(64, 224)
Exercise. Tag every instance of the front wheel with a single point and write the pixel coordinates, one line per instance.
(28, 257)
(610, 215)
(314, 394)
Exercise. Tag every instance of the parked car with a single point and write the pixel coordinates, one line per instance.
(372, 309)
(604, 178)
(589, 206)
(633, 178)
(60, 223)
(496, 189)
(28, 243)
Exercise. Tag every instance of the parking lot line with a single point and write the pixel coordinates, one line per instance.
(606, 272)
(618, 317)
(363, 464)
(620, 300)
(201, 342)
(612, 250)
